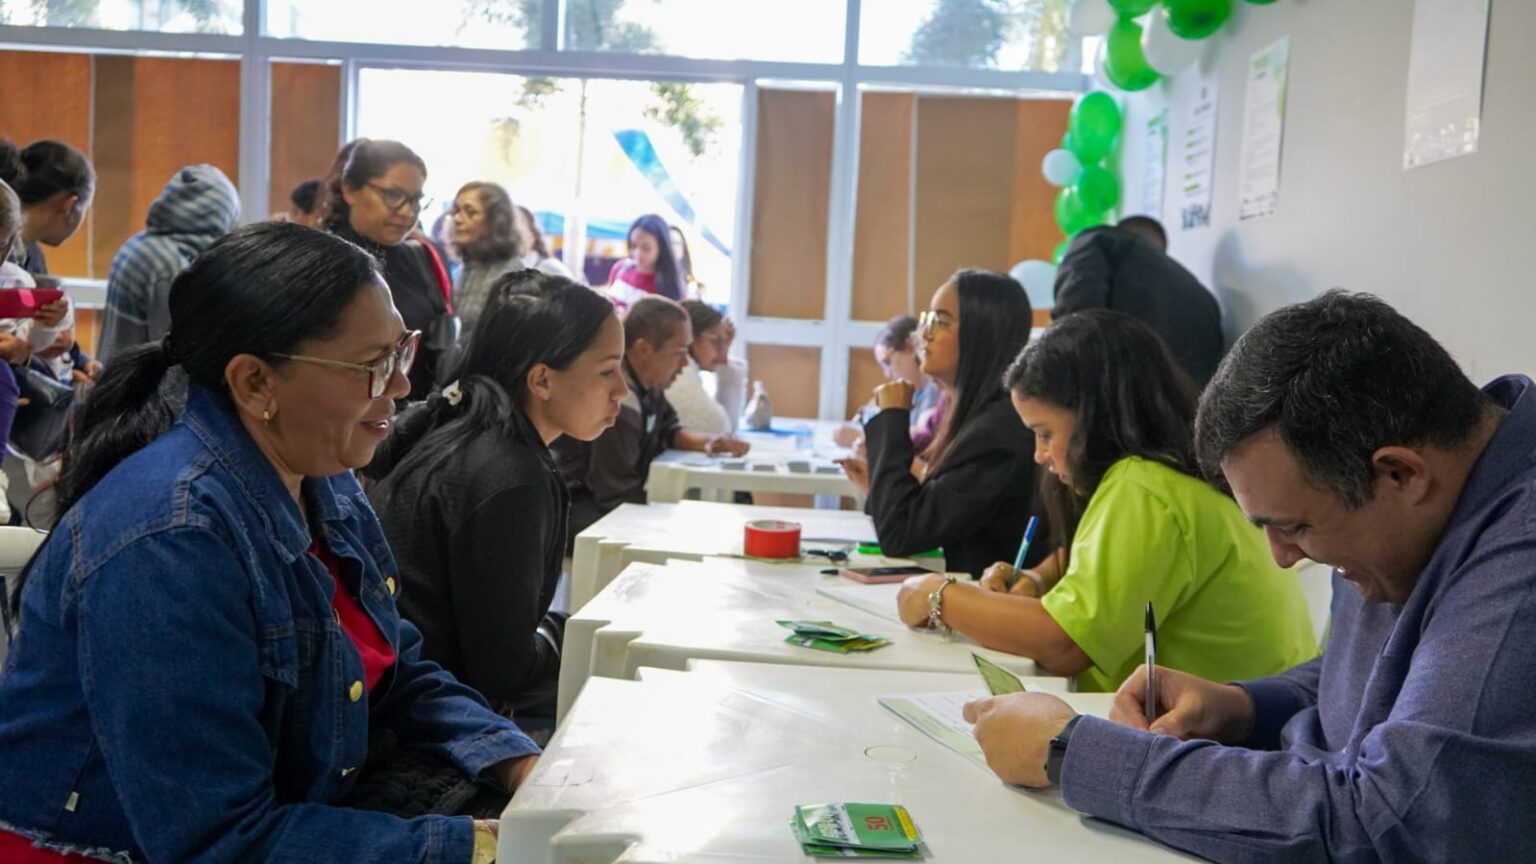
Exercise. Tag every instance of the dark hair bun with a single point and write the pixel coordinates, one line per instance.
(12, 169)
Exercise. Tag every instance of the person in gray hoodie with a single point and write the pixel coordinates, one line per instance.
(199, 205)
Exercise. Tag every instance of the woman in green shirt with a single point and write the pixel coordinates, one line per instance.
(1113, 421)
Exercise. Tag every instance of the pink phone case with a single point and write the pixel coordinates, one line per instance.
(883, 578)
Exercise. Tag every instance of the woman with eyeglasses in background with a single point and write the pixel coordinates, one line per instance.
(373, 197)
(208, 645)
(978, 489)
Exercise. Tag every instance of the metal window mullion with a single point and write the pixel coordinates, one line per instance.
(552, 25)
(746, 195)
(840, 225)
(255, 116)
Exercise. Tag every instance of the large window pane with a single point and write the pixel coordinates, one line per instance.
(162, 16)
(138, 119)
(505, 24)
(805, 31)
(578, 152)
(977, 34)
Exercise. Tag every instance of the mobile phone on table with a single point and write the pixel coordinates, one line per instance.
(881, 575)
(999, 680)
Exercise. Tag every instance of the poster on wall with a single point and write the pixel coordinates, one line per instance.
(1154, 171)
(1263, 131)
(1197, 157)
(1445, 80)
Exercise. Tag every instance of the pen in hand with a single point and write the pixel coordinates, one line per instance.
(1150, 703)
(1018, 560)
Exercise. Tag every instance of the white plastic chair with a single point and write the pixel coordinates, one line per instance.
(17, 546)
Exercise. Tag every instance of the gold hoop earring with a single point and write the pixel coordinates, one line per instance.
(266, 417)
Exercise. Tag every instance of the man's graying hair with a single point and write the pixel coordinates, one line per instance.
(1338, 377)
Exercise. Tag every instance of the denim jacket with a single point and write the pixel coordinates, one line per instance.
(179, 689)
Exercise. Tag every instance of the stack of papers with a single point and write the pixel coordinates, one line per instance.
(826, 636)
(857, 831)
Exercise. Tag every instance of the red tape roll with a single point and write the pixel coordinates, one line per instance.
(772, 538)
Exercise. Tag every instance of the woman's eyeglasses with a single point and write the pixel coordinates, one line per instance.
(381, 371)
(394, 198)
(933, 322)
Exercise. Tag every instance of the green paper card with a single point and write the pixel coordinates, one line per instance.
(998, 679)
(885, 828)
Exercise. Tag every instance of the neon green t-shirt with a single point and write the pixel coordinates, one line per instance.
(1225, 610)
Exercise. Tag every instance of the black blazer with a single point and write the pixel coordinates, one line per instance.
(479, 540)
(1112, 268)
(975, 504)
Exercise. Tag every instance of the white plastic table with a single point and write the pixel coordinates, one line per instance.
(689, 768)
(789, 464)
(689, 529)
(726, 609)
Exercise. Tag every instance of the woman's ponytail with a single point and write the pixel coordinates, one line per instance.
(123, 413)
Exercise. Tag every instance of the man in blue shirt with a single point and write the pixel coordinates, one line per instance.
(1353, 438)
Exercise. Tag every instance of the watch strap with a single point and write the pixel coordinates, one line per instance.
(1056, 755)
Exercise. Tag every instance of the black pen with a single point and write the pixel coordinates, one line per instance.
(1151, 632)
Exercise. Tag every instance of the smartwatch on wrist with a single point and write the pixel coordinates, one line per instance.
(1056, 756)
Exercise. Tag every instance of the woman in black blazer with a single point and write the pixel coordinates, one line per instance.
(976, 486)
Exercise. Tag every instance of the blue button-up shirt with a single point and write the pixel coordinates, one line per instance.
(179, 689)
(1413, 738)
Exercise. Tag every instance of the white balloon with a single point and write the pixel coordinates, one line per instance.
(1039, 281)
(1091, 17)
(1060, 167)
(1166, 52)
(1100, 77)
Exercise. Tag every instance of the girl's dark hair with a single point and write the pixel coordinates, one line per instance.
(684, 264)
(536, 236)
(669, 282)
(502, 240)
(358, 162)
(702, 316)
(43, 169)
(1129, 396)
(897, 333)
(995, 319)
(529, 318)
(262, 289)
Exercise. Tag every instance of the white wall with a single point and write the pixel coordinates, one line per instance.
(1451, 245)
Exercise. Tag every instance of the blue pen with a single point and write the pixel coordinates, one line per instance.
(1018, 560)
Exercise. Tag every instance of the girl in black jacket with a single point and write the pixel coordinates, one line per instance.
(978, 488)
(472, 504)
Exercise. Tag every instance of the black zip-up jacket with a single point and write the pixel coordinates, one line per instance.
(975, 504)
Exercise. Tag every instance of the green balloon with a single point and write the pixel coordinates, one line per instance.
(1070, 213)
(1197, 19)
(1132, 8)
(1061, 250)
(1124, 63)
(1098, 189)
(1092, 126)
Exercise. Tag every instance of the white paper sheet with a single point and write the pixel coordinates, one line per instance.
(1263, 130)
(1154, 170)
(1445, 80)
(1197, 157)
(940, 717)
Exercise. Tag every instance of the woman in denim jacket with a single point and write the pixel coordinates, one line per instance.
(204, 642)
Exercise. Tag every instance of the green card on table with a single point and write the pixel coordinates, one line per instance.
(826, 636)
(857, 831)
